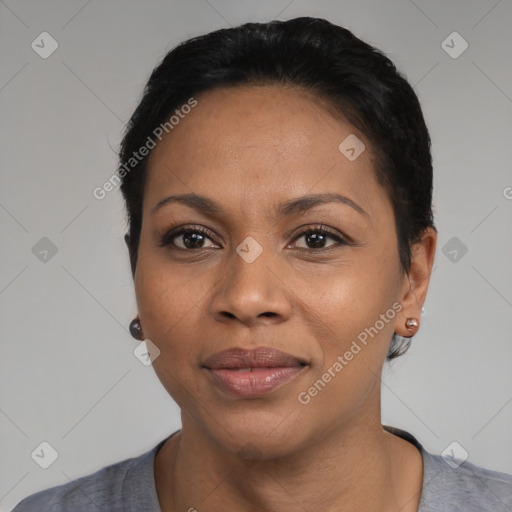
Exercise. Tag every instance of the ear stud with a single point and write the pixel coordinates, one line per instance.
(412, 324)
(136, 329)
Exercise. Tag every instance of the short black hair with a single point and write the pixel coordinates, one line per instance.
(355, 78)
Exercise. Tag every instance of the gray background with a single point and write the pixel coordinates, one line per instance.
(68, 374)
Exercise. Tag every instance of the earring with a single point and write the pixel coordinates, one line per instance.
(136, 329)
(412, 324)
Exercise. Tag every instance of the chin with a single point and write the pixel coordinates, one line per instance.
(258, 436)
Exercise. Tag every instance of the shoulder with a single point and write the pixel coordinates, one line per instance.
(451, 485)
(122, 486)
(465, 487)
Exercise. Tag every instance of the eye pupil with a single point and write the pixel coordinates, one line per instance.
(316, 238)
(194, 239)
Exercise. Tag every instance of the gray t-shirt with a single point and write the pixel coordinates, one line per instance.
(129, 485)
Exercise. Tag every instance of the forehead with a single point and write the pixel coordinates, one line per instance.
(265, 140)
(287, 119)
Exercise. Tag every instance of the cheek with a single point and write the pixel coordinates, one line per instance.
(168, 303)
(356, 304)
(165, 296)
(356, 294)
(171, 301)
(351, 356)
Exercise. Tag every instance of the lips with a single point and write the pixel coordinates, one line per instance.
(261, 357)
(252, 373)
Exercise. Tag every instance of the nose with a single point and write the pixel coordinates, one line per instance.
(253, 293)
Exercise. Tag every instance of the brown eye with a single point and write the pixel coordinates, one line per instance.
(316, 238)
(189, 239)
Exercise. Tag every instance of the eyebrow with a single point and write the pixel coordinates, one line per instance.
(299, 205)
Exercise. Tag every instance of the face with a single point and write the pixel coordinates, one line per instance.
(260, 269)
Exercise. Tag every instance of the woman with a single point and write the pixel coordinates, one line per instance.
(278, 184)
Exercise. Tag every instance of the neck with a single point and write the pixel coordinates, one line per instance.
(354, 467)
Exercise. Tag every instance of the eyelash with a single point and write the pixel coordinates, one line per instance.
(167, 239)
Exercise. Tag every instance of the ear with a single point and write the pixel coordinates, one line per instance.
(416, 281)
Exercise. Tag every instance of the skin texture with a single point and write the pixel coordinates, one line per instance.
(250, 149)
